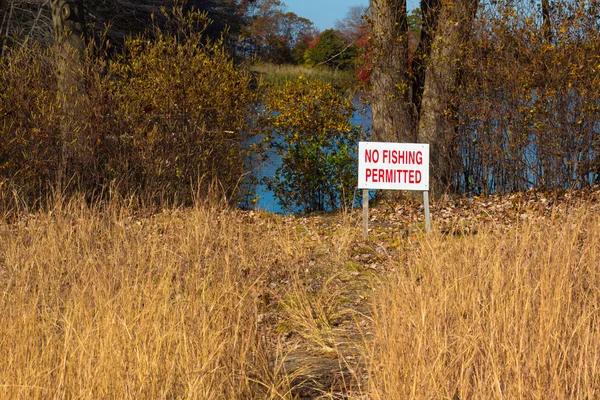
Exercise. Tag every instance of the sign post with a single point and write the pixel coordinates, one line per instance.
(365, 213)
(426, 205)
(393, 166)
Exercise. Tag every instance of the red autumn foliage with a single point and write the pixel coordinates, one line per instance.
(313, 43)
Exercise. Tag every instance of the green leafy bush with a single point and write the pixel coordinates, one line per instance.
(308, 125)
(331, 50)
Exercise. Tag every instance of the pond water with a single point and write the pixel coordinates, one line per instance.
(264, 198)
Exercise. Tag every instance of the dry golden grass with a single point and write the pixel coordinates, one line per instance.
(495, 315)
(110, 304)
(116, 302)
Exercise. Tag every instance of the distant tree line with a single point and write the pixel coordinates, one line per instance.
(261, 30)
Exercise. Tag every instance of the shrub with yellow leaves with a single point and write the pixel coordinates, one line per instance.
(164, 119)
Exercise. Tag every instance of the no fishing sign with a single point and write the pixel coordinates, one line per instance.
(393, 166)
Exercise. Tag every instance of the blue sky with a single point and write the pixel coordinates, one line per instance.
(324, 13)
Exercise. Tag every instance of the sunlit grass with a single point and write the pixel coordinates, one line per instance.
(278, 75)
(111, 304)
(495, 315)
(115, 301)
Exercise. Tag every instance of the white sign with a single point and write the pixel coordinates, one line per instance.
(396, 166)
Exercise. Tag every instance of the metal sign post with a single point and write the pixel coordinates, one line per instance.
(365, 213)
(426, 205)
(395, 166)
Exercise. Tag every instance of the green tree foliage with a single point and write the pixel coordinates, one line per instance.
(331, 50)
(308, 125)
(303, 44)
(415, 22)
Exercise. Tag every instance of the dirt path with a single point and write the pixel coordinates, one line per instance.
(318, 327)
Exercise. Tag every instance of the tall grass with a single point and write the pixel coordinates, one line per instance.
(113, 301)
(511, 315)
(113, 304)
(278, 75)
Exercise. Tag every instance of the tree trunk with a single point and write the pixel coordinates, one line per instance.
(2, 15)
(546, 21)
(437, 124)
(390, 103)
(430, 11)
(6, 20)
(69, 35)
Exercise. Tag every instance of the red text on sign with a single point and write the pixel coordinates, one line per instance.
(381, 175)
(394, 156)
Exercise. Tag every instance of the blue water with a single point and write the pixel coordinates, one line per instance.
(264, 199)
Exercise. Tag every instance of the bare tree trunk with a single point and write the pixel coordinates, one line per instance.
(69, 35)
(2, 15)
(437, 124)
(546, 21)
(430, 11)
(6, 20)
(390, 80)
